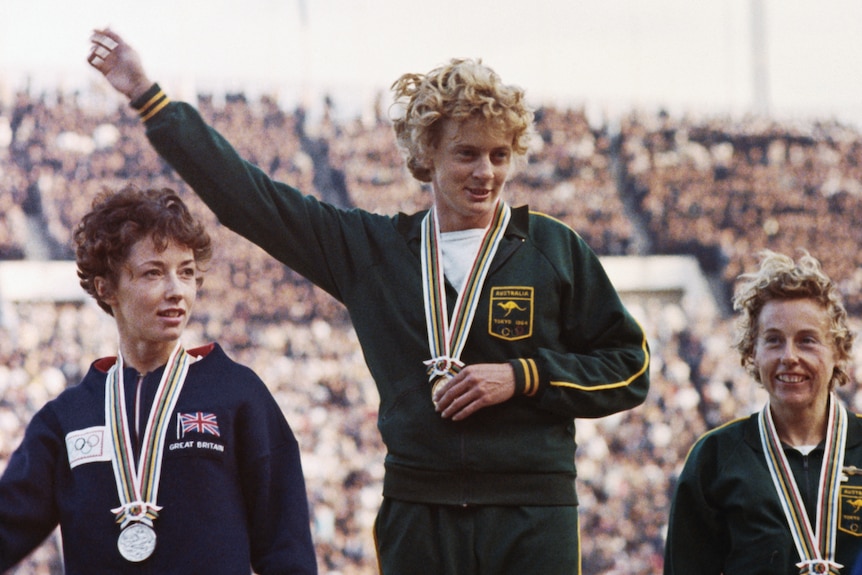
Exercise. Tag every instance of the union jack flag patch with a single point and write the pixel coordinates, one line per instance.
(199, 422)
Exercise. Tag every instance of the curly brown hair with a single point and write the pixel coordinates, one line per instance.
(459, 90)
(780, 278)
(118, 220)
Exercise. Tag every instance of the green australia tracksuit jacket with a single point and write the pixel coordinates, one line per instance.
(547, 308)
(727, 518)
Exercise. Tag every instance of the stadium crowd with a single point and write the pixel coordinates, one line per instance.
(717, 189)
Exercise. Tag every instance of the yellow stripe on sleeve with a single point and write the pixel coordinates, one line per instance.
(615, 384)
(154, 105)
(531, 377)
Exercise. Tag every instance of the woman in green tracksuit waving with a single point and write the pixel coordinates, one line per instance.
(488, 329)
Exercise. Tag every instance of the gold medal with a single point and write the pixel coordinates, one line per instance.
(446, 339)
(438, 383)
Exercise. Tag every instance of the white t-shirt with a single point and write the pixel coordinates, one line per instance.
(459, 252)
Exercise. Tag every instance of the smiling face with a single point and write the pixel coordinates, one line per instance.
(794, 354)
(152, 300)
(469, 167)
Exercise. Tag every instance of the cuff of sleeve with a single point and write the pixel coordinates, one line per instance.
(526, 376)
(150, 102)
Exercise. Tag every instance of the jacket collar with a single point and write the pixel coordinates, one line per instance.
(104, 364)
(854, 431)
(410, 226)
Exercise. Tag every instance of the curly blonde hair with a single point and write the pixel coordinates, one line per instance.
(780, 278)
(459, 90)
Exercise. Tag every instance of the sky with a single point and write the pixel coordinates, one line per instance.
(685, 56)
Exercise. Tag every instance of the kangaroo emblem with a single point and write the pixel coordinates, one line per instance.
(857, 505)
(510, 306)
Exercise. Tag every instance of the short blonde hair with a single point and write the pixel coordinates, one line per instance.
(780, 278)
(459, 90)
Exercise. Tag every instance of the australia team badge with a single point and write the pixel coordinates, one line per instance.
(851, 510)
(511, 313)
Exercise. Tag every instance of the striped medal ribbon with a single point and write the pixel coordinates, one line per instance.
(816, 548)
(138, 484)
(446, 339)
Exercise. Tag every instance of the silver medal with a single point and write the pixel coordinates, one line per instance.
(138, 485)
(137, 542)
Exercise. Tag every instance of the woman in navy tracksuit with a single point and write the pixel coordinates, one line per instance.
(229, 492)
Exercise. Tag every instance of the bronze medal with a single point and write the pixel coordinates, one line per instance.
(814, 541)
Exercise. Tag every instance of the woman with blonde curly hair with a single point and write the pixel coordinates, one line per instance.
(461, 90)
(488, 329)
(778, 492)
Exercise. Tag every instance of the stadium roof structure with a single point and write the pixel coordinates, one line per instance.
(40, 281)
(676, 279)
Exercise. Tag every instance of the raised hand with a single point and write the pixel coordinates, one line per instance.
(118, 62)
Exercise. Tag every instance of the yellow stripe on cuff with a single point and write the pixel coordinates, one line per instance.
(154, 105)
(531, 377)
